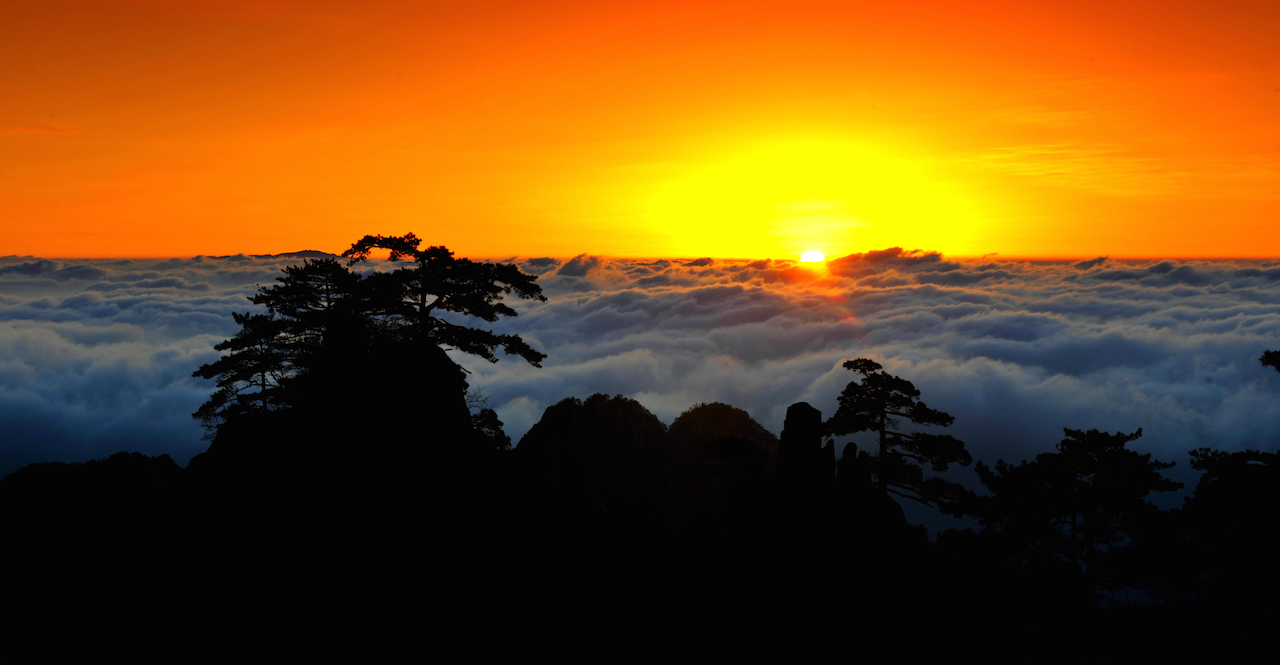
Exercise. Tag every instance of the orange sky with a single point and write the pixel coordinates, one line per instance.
(758, 129)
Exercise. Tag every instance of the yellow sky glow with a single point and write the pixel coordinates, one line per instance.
(1029, 128)
(789, 196)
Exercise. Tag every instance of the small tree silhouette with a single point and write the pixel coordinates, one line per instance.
(306, 312)
(1230, 524)
(1077, 505)
(879, 403)
(1271, 359)
(254, 374)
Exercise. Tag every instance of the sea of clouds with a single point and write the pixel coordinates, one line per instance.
(96, 356)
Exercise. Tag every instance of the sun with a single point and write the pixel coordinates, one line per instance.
(812, 256)
(786, 196)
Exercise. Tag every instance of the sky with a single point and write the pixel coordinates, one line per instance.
(1027, 129)
(1044, 213)
(97, 356)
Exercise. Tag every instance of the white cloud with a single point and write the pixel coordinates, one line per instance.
(96, 356)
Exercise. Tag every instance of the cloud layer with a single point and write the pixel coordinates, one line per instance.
(96, 356)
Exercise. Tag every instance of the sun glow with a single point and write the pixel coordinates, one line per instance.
(812, 256)
(784, 197)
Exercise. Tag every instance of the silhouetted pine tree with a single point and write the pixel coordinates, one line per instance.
(1078, 506)
(879, 403)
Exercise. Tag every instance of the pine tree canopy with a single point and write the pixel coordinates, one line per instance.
(322, 320)
(880, 403)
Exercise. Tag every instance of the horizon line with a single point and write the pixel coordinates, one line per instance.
(508, 257)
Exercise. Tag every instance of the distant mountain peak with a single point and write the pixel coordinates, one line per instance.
(306, 253)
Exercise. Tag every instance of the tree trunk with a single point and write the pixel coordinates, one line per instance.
(884, 456)
(422, 308)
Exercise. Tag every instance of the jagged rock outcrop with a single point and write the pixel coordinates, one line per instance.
(806, 467)
(864, 513)
(361, 446)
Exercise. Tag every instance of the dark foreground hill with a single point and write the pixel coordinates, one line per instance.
(600, 497)
(712, 523)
